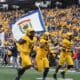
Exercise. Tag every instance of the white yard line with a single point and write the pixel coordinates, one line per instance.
(53, 79)
(70, 71)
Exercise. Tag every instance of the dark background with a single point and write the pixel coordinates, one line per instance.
(30, 4)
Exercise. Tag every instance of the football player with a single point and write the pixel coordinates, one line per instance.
(25, 45)
(42, 52)
(65, 55)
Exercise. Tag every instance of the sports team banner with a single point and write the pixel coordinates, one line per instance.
(33, 19)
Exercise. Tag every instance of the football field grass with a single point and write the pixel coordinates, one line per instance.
(10, 74)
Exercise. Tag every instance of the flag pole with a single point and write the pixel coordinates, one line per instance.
(38, 6)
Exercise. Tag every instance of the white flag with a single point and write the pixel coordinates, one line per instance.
(33, 19)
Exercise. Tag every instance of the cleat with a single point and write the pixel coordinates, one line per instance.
(63, 74)
(17, 78)
(55, 76)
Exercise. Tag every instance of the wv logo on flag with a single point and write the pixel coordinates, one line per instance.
(23, 25)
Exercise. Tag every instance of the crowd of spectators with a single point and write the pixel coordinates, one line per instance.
(57, 22)
(60, 21)
(6, 19)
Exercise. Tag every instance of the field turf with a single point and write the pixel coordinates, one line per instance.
(10, 74)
